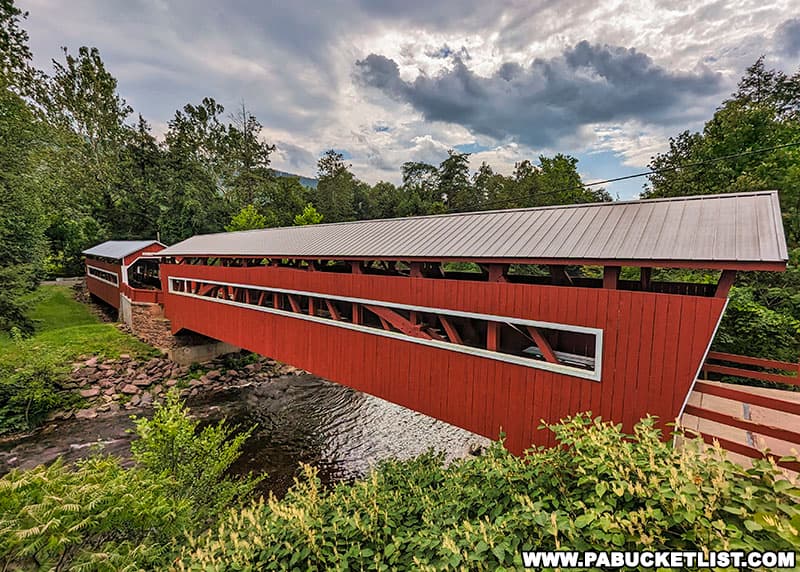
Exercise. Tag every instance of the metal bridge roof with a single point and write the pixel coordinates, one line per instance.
(736, 231)
(118, 249)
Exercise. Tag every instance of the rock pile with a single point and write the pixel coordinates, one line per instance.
(127, 383)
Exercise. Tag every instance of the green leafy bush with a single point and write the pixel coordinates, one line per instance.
(170, 447)
(32, 367)
(29, 393)
(95, 516)
(751, 328)
(601, 490)
(98, 515)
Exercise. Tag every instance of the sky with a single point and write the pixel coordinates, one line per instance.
(405, 80)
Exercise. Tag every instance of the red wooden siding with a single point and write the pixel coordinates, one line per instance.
(141, 295)
(131, 258)
(106, 292)
(653, 345)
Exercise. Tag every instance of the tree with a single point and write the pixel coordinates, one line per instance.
(192, 186)
(762, 113)
(22, 221)
(88, 134)
(455, 185)
(246, 159)
(247, 219)
(490, 186)
(335, 191)
(420, 189)
(15, 55)
(308, 216)
(384, 200)
(140, 198)
(280, 200)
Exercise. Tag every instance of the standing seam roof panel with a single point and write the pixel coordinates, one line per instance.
(736, 228)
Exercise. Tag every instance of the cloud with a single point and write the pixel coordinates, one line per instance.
(294, 157)
(540, 103)
(787, 37)
(496, 73)
(444, 51)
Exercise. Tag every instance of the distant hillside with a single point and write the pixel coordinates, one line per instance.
(305, 181)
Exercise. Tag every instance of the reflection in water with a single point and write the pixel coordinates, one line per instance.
(298, 419)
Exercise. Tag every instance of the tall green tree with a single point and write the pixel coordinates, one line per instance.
(308, 216)
(16, 73)
(420, 190)
(246, 219)
(246, 158)
(140, 197)
(455, 185)
(335, 193)
(764, 112)
(22, 221)
(193, 180)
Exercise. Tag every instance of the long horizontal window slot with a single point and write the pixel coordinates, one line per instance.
(102, 275)
(562, 348)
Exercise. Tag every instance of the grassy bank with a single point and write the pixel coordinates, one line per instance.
(32, 368)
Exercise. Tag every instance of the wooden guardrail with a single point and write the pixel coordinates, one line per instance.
(755, 422)
(793, 369)
(143, 295)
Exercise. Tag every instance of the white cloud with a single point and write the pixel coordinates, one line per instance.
(293, 64)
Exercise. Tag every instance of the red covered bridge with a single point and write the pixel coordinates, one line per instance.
(481, 319)
(116, 268)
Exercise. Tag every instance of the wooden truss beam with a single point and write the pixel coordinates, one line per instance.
(726, 280)
(452, 333)
(399, 322)
(542, 344)
(332, 310)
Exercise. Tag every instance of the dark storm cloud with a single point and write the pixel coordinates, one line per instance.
(550, 98)
(787, 37)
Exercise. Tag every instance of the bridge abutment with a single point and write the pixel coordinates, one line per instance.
(148, 323)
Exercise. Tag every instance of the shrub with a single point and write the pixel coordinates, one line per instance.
(95, 516)
(751, 328)
(28, 394)
(600, 490)
(98, 515)
(169, 446)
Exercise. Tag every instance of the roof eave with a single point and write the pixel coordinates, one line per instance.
(754, 265)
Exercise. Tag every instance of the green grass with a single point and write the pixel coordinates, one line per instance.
(65, 331)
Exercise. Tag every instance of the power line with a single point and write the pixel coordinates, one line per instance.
(636, 175)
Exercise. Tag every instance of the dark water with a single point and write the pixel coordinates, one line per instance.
(298, 418)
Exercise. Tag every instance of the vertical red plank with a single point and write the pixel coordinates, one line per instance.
(642, 398)
(615, 392)
(687, 350)
(658, 355)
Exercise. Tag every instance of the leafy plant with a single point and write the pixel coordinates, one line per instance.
(247, 219)
(601, 490)
(96, 516)
(169, 446)
(27, 396)
(308, 216)
(99, 515)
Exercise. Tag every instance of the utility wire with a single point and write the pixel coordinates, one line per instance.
(635, 175)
